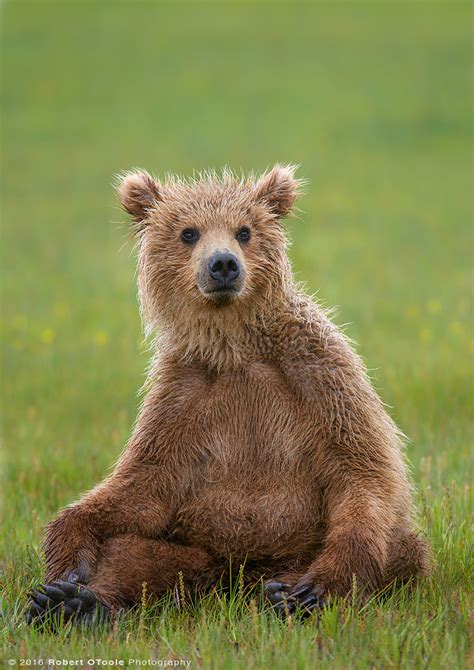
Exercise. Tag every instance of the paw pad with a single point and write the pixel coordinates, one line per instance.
(61, 602)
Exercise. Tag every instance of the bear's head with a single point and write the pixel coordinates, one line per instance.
(210, 248)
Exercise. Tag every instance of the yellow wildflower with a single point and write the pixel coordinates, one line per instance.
(48, 336)
(101, 338)
(434, 306)
(425, 335)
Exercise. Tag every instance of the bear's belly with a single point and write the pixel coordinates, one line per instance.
(276, 522)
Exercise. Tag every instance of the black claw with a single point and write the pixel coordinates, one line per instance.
(69, 612)
(41, 599)
(272, 587)
(87, 596)
(35, 609)
(75, 604)
(277, 597)
(70, 590)
(302, 591)
(57, 595)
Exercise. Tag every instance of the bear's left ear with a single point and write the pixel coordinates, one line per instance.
(138, 192)
(278, 189)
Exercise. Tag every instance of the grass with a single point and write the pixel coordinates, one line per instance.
(373, 100)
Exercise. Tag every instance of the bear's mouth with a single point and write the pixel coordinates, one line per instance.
(222, 295)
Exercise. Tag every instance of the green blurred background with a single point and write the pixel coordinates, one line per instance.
(373, 100)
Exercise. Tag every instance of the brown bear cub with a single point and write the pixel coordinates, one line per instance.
(261, 441)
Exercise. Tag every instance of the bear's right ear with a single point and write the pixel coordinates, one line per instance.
(138, 192)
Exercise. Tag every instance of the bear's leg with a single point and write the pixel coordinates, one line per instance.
(408, 557)
(128, 566)
(128, 562)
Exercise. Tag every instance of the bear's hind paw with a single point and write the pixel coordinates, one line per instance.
(61, 602)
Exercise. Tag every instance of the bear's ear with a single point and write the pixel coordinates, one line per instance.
(138, 192)
(278, 189)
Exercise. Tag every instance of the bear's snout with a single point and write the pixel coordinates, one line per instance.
(221, 277)
(224, 269)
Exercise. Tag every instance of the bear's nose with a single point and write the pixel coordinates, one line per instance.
(224, 268)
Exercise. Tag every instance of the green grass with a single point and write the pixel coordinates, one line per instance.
(373, 100)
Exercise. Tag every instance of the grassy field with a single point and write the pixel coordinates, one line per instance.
(373, 100)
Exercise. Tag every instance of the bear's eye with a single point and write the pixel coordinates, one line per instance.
(190, 235)
(243, 235)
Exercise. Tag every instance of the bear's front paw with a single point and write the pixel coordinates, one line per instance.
(309, 596)
(61, 602)
(304, 597)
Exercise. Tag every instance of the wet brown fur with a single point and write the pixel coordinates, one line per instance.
(261, 439)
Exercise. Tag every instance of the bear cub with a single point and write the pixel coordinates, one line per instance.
(261, 441)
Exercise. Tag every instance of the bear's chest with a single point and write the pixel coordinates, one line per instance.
(252, 419)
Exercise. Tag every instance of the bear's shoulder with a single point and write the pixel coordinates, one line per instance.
(306, 332)
(312, 352)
